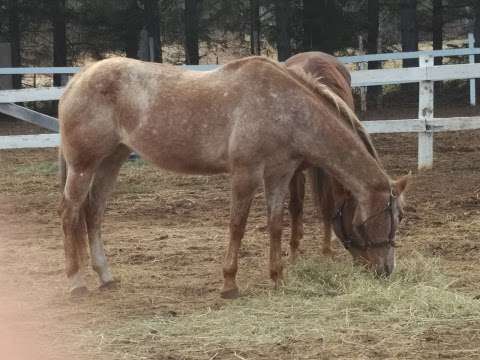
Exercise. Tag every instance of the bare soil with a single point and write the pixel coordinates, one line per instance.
(165, 236)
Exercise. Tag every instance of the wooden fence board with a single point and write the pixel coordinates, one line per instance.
(29, 141)
(31, 116)
(35, 94)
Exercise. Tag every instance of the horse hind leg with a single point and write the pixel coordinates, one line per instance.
(324, 205)
(72, 214)
(276, 189)
(327, 239)
(95, 204)
(295, 206)
(328, 203)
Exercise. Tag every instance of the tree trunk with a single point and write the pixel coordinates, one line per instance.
(59, 38)
(14, 35)
(409, 29)
(437, 26)
(282, 20)
(255, 27)
(132, 29)
(476, 33)
(313, 13)
(324, 27)
(372, 47)
(152, 24)
(191, 31)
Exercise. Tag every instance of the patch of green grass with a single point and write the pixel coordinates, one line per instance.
(38, 168)
(320, 300)
(135, 163)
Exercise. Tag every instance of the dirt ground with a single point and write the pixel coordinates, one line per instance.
(165, 236)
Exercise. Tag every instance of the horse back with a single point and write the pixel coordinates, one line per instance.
(328, 70)
(181, 120)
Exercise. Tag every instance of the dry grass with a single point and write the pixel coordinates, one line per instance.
(323, 302)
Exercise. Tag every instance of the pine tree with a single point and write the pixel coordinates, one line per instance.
(59, 38)
(282, 20)
(152, 25)
(409, 29)
(192, 13)
(255, 27)
(437, 28)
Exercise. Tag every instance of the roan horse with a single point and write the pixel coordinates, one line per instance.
(335, 204)
(252, 118)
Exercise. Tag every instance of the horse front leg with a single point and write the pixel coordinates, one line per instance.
(297, 197)
(244, 184)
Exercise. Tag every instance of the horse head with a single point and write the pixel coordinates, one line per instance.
(367, 227)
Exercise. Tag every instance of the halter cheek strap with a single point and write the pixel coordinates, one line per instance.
(349, 242)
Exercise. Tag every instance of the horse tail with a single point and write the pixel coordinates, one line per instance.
(62, 168)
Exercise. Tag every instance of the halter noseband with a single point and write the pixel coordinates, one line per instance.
(349, 242)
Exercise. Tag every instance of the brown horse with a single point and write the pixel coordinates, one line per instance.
(252, 118)
(329, 196)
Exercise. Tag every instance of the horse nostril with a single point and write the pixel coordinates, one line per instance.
(383, 271)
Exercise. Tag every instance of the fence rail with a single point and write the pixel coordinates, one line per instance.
(425, 125)
(360, 78)
(344, 59)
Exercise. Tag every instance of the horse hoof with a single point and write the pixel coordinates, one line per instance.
(79, 292)
(110, 285)
(230, 294)
(278, 284)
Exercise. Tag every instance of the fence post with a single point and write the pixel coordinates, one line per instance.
(6, 82)
(362, 66)
(425, 113)
(151, 49)
(471, 60)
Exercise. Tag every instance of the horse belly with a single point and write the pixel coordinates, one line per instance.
(182, 154)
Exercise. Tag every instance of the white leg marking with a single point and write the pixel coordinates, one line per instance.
(99, 261)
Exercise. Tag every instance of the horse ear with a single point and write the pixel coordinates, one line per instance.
(401, 184)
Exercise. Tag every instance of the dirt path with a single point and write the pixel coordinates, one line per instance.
(24, 332)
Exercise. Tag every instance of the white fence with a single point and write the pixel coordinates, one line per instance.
(425, 125)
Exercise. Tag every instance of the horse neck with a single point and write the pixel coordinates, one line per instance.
(344, 156)
(361, 176)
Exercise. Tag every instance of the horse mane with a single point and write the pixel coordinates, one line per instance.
(348, 116)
